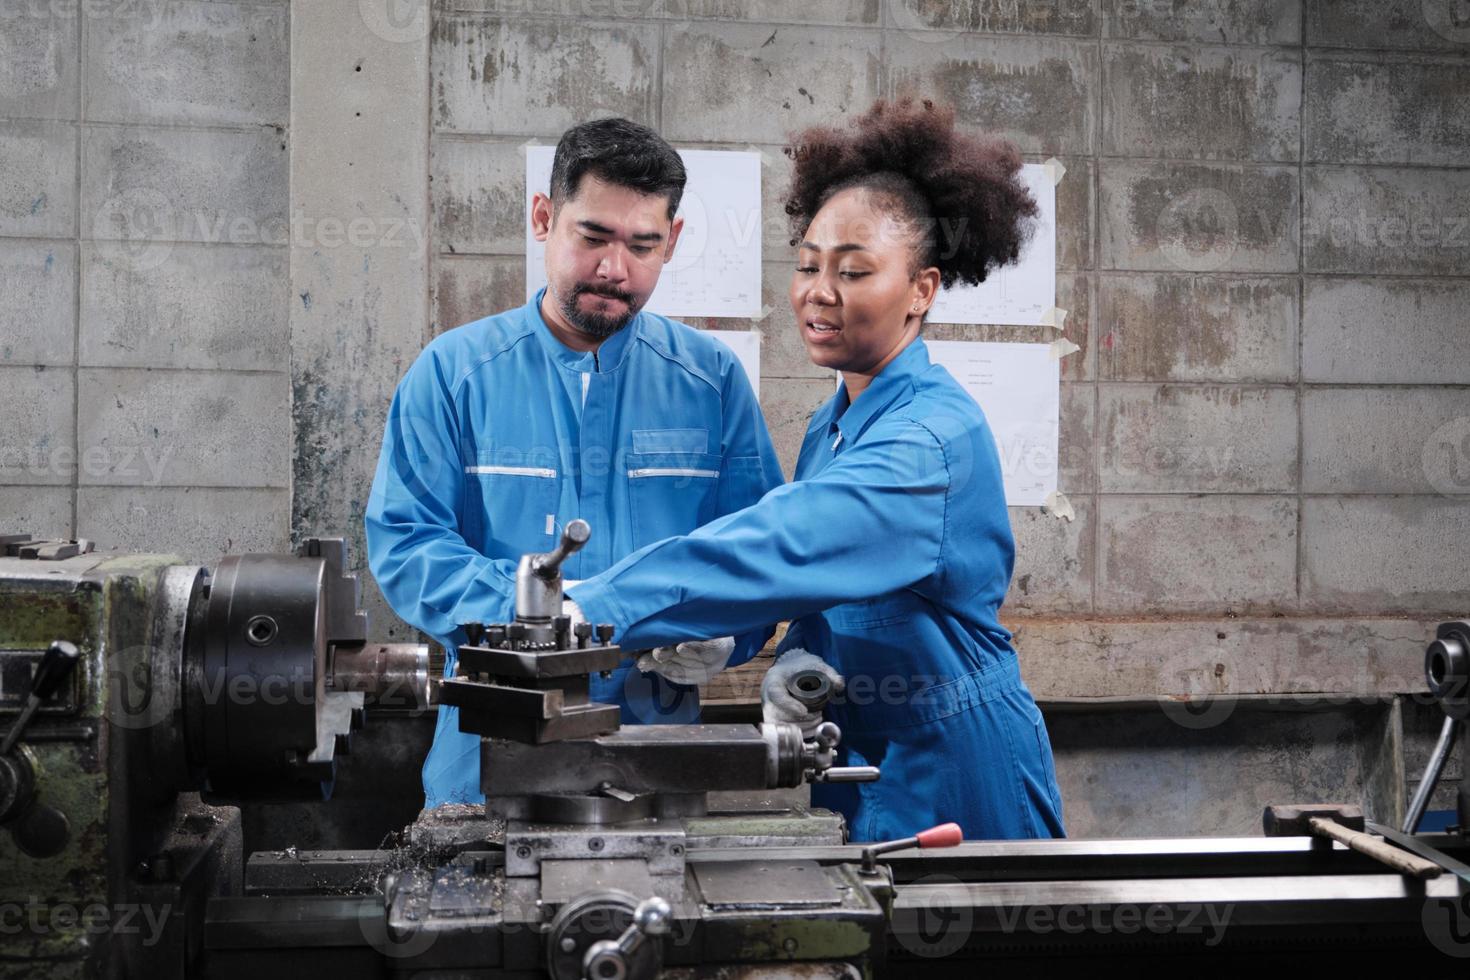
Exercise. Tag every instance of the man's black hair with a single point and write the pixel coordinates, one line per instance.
(619, 152)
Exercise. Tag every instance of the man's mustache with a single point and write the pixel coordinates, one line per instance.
(616, 294)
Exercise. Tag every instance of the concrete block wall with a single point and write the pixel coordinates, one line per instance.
(1262, 419)
(143, 274)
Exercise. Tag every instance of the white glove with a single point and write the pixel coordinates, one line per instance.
(691, 662)
(778, 704)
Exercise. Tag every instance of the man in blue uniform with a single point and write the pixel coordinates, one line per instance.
(575, 405)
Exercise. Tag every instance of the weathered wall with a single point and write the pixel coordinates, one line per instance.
(1263, 240)
(1262, 237)
(143, 271)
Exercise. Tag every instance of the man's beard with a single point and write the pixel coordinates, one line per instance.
(598, 325)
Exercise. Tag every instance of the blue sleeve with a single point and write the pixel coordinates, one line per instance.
(428, 573)
(751, 470)
(796, 636)
(871, 522)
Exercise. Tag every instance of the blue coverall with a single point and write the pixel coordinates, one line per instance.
(891, 552)
(499, 434)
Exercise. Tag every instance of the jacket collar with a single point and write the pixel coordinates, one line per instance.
(851, 418)
(609, 356)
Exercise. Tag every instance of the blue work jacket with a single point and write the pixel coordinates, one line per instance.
(499, 434)
(891, 552)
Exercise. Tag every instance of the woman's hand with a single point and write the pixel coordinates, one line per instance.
(778, 704)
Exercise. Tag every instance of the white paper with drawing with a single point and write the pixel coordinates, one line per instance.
(1021, 293)
(716, 268)
(1019, 388)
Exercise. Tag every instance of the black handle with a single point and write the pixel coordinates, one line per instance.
(59, 661)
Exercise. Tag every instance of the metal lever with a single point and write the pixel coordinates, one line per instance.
(59, 660)
(538, 578)
(607, 959)
(548, 566)
(827, 736)
(39, 830)
(945, 835)
(1447, 735)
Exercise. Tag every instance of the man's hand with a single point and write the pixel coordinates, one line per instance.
(778, 704)
(692, 662)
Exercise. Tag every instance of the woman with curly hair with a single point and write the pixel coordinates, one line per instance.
(891, 551)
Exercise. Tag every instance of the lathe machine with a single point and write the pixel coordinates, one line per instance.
(144, 700)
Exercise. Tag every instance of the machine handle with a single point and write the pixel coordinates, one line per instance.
(847, 774)
(57, 663)
(608, 959)
(944, 835)
(577, 532)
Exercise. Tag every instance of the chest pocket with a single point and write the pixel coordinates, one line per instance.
(672, 482)
(509, 510)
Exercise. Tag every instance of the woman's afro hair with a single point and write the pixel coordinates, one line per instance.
(960, 193)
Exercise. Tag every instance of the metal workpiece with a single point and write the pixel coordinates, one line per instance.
(388, 675)
(812, 688)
